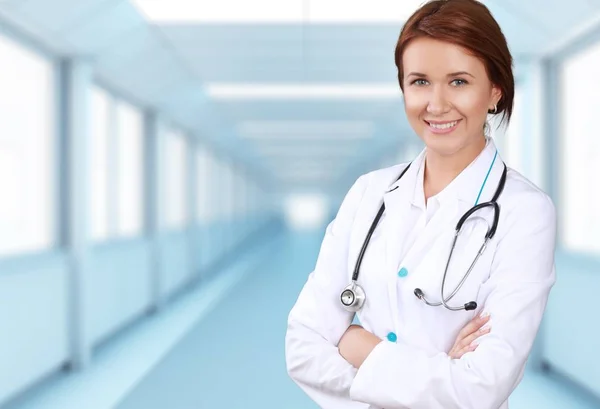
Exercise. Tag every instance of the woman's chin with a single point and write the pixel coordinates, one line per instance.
(442, 144)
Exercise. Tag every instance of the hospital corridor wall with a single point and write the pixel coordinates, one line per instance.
(110, 211)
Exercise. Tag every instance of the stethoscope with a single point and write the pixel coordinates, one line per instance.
(353, 296)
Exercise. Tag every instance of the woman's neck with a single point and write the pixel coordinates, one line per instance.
(441, 170)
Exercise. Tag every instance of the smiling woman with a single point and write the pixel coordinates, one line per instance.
(420, 250)
(447, 103)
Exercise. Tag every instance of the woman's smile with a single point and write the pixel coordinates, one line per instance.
(438, 127)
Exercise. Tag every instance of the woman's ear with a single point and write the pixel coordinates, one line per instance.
(496, 94)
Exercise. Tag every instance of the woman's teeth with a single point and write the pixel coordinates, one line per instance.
(443, 126)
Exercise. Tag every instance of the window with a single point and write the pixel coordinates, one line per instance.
(579, 153)
(220, 178)
(221, 190)
(117, 165)
(27, 144)
(100, 118)
(203, 180)
(227, 180)
(130, 182)
(175, 180)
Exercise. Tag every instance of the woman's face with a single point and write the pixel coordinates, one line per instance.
(447, 94)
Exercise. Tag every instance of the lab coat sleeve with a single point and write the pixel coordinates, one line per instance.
(317, 321)
(522, 274)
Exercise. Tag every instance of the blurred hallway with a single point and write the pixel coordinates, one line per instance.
(151, 151)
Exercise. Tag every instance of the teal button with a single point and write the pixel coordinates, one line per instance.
(392, 337)
(403, 272)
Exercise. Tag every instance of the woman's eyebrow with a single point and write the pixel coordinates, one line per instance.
(416, 74)
(453, 74)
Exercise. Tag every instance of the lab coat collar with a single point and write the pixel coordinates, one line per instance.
(477, 183)
(410, 177)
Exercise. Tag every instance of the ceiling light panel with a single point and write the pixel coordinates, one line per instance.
(308, 164)
(304, 175)
(302, 151)
(223, 91)
(277, 11)
(306, 130)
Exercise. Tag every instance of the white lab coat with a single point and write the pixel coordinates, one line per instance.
(511, 281)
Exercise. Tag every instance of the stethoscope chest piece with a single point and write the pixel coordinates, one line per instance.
(353, 297)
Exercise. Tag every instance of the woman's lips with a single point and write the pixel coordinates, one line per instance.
(445, 129)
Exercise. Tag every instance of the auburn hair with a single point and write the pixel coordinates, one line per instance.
(470, 25)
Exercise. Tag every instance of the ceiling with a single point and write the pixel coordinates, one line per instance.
(308, 140)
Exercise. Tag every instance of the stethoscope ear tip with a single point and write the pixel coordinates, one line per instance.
(470, 306)
(419, 293)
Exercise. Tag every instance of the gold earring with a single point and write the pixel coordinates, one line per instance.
(494, 111)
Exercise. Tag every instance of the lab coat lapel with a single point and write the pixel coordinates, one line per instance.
(398, 208)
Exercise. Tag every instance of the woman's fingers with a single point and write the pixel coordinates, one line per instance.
(468, 348)
(472, 326)
(473, 330)
(469, 340)
(472, 337)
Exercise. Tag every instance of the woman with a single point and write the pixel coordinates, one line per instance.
(455, 69)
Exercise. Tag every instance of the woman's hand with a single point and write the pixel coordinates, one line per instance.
(464, 341)
(356, 344)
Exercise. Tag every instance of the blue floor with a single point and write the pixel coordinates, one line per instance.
(235, 357)
(231, 355)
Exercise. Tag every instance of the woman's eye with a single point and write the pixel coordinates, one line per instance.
(419, 82)
(459, 82)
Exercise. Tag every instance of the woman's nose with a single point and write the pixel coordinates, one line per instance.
(437, 102)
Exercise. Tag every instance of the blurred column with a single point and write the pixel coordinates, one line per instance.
(205, 198)
(550, 96)
(77, 81)
(550, 72)
(530, 109)
(216, 202)
(225, 185)
(154, 205)
(253, 204)
(192, 208)
(243, 200)
(238, 202)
